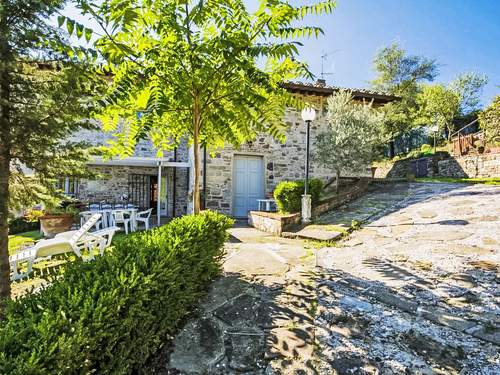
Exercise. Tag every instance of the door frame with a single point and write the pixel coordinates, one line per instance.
(233, 174)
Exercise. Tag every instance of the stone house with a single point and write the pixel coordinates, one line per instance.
(233, 179)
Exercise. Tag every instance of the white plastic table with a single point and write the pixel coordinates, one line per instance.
(107, 217)
(266, 203)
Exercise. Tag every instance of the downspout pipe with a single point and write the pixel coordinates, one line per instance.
(205, 177)
(174, 188)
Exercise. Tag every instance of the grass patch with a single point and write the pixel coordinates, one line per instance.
(16, 241)
(479, 180)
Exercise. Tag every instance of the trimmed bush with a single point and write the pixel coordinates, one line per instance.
(288, 194)
(21, 224)
(111, 315)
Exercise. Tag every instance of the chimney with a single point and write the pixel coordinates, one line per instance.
(321, 82)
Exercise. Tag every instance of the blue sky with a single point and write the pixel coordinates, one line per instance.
(462, 35)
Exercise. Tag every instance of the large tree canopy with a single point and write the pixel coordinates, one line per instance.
(208, 70)
(401, 74)
(42, 101)
(437, 104)
(468, 87)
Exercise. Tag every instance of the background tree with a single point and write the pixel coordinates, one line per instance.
(353, 131)
(453, 106)
(42, 101)
(206, 70)
(489, 120)
(400, 74)
(468, 87)
(437, 104)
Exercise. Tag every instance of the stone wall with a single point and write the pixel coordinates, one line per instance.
(486, 165)
(356, 190)
(143, 148)
(281, 161)
(399, 169)
(272, 222)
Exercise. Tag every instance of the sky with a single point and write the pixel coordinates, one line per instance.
(462, 35)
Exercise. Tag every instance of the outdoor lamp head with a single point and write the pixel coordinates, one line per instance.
(308, 114)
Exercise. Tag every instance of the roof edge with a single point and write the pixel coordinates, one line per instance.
(324, 90)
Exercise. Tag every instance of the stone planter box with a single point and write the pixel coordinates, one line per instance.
(53, 224)
(272, 222)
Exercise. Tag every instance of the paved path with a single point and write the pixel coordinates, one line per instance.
(414, 291)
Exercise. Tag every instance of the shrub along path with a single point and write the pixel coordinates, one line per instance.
(414, 291)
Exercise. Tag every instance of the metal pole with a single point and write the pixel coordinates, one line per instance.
(205, 177)
(158, 196)
(307, 158)
(174, 186)
(435, 142)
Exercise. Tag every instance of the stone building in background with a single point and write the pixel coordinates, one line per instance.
(234, 178)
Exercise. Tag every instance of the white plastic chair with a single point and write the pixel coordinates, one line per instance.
(106, 234)
(86, 215)
(143, 217)
(122, 217)
(94, 206)
(45, 249)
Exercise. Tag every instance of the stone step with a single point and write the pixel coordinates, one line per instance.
(319, 233)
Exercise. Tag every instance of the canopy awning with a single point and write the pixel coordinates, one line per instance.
(139, 161)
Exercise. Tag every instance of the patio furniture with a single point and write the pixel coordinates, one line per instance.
(106, 234)
(124, 217)
(45, 249)
(143, 217)
(86, 215)
(267, 205)
(94, 206)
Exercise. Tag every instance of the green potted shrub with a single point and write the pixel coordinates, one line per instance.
(57, 219)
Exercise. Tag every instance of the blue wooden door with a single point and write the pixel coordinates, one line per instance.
(248, 184)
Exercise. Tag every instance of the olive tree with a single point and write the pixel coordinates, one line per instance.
(353, 131)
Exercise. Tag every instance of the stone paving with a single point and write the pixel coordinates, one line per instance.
(414, 291)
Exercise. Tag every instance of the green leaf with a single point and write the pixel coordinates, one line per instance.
(70, 26)
(88, 34)
(79, 30)
(60, 20)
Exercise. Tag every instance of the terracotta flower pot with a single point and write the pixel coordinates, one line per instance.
(53, 224)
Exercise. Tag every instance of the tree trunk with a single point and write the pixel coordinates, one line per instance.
(5, 152)
(391, 149)
(4, 228)
(196, 151)
(337, 176)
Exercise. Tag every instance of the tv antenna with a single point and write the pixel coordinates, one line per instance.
(324, 57)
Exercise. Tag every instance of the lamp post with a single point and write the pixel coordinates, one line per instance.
(434, 129)
(308, 114)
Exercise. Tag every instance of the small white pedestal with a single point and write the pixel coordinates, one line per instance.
(306, 209)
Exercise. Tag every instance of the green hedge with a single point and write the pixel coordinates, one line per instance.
(112, 314)
(20, 225)
(288, 194)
